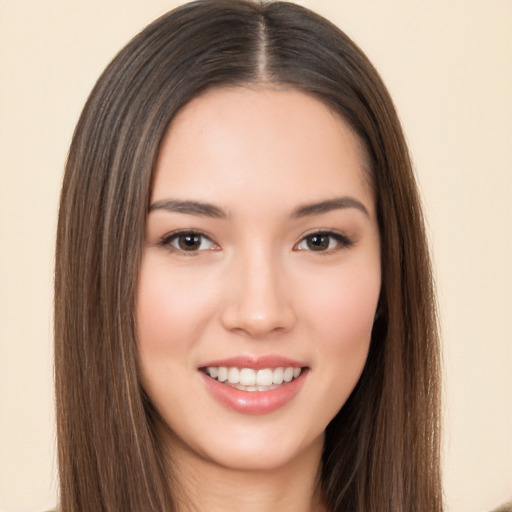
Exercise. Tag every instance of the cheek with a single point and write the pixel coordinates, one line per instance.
(342, 308)
(172, 307)
(341, 313)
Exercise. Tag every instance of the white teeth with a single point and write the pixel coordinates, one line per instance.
(234, 376)
(223, 374)
(249, 379)
(212, 371)
(288, 374)
(264, 377)
(278, 376)
(253, 388)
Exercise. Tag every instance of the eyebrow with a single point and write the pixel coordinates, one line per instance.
(189, 207)
(210, 210)
(329, 205)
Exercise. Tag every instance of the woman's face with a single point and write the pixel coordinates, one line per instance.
(260, 276)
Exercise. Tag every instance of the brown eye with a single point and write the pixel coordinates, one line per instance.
(323, 242)
(318, 242)
(188, 241)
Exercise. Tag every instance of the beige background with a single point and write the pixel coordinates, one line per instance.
(448, 65)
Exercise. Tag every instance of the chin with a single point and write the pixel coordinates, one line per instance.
(264, 454)
(244, 447)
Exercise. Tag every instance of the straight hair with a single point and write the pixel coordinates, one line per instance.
(381, 451)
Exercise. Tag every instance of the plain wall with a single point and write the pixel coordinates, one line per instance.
(448, 65)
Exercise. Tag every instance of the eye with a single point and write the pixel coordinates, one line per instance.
(323, 241)
(188, 241)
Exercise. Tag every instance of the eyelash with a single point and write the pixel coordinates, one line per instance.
(167, 241)
(341, 242)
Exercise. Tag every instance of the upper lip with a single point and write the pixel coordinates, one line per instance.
(256, 362)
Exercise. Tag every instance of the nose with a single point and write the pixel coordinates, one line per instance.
(259, 302)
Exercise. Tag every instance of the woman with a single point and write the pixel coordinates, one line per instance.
(244, 307)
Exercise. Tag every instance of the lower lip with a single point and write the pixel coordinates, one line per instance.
(254, 402)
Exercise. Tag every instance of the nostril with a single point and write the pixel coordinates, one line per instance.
(247, 318)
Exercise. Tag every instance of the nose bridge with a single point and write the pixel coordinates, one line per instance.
(258, 302)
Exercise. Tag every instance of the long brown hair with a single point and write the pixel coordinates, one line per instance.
(382, 449)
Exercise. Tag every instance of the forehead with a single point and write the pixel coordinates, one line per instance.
(234, 143)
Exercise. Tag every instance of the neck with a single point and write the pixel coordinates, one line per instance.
(201, 485)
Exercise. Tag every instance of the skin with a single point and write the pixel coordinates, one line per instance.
(255, 286)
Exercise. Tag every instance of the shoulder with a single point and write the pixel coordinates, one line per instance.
(506, 507)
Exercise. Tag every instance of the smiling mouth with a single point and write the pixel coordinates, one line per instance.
(248, 379)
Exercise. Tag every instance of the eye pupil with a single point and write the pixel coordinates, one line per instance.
(318, 242)
(189, 242)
